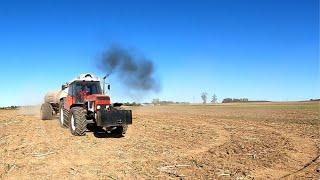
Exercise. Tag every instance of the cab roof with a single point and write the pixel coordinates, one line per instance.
(86, 77)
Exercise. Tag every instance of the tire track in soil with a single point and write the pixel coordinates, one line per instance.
(304, 149)
(33, 142)
(273, 170)
(223, 137)
(306, 152)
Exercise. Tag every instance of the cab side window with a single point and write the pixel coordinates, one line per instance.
(70, 93)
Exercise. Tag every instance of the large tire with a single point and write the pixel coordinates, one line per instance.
(124, 129)
(118, 132)
(46, 111)
(78, 121)
(64, 119)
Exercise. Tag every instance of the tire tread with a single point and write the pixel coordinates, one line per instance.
(79, 115)
(46, 111)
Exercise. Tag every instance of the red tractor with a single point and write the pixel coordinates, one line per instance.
(81, 103)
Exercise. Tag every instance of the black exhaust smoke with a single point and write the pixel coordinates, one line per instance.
(133, 70)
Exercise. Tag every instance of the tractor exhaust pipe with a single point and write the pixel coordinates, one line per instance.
(104, 83)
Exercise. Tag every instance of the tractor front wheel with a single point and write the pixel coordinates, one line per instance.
(78, 121)
(118, 131)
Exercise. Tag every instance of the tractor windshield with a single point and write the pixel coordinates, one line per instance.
(81, 89)
(88, 87)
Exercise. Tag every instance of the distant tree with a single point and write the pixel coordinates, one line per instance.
(214, 98)
(244, 99)
(156, 101)
(204, 97)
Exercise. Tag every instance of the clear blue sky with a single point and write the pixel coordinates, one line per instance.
(259, 49)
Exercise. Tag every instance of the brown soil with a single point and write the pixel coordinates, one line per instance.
(235, 141)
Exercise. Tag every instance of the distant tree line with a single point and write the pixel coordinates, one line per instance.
(131, 104)
(154, 102)
(158, 102)
(10, 107)
(230, 100)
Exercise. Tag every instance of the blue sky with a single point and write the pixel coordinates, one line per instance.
(263, 49)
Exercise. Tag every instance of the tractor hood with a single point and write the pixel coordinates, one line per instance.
(99, 99)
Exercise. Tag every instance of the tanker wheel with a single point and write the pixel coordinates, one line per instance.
(64, 119)
(46, 111)
(78, 121)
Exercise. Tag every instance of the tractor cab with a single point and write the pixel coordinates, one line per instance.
(85, 90)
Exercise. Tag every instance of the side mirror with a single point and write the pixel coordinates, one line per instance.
(108, 86)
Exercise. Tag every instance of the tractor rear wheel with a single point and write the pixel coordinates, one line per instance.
(78, 121)
(46, 111)
(64, 119)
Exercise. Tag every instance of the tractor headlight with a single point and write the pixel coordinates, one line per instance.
(98, 107)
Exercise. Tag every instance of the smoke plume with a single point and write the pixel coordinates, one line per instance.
(133, 70)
